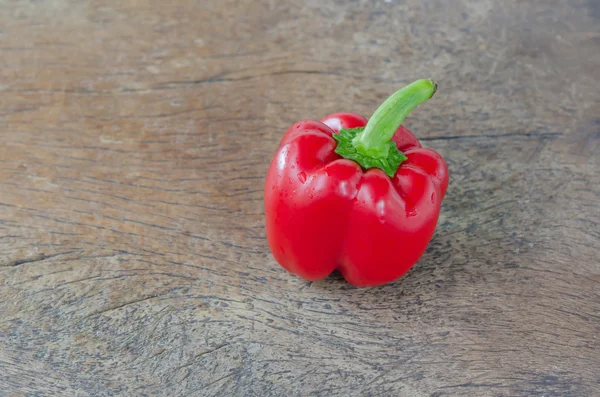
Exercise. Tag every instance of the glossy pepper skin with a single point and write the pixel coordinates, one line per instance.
(325, 212)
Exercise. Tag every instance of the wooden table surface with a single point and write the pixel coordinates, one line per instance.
(134, 142)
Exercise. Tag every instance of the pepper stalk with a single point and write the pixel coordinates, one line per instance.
(371, 146)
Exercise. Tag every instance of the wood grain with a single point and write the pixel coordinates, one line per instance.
(134, 141)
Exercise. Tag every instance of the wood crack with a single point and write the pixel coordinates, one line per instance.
(195, 359)
(116, 307)
(36, 258)
(492, 136)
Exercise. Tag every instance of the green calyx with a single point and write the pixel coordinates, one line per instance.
(371, 146)
(345, 148)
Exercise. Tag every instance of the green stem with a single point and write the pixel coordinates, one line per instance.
(389, 116)
(371, 146)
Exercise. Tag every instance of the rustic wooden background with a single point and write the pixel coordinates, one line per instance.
(134, 141)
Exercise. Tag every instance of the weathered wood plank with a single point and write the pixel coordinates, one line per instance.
(134, 140)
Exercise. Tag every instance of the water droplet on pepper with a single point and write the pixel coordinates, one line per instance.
(302, 177)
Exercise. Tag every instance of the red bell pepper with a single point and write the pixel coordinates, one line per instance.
(362, 197)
